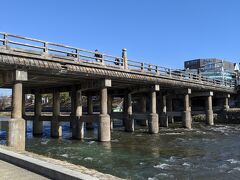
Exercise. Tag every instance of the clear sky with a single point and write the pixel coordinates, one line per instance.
(164, 32)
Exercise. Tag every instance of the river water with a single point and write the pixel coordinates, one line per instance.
(175, 153)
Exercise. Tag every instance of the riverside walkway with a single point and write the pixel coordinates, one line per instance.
(32, 66)
(10, 172)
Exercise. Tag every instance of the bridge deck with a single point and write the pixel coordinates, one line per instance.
(51, 64)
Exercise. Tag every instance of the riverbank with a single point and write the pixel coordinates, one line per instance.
(50, 167)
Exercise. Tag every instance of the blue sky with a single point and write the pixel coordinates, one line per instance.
(164, 32)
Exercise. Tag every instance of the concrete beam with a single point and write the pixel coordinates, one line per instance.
(201, 94)
(183, 91)
(12, 76)
(93, 84)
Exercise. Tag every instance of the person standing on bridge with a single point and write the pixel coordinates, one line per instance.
(98, 56)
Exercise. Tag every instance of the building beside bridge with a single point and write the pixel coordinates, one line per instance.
(213, 68)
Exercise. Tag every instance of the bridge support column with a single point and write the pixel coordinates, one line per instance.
(170, 108)
(163, 116)
(37, 124)
(89, 125)
(16, 126)
(104, 132)
(110, 110)
(226, 102)
(78, 124)
(153, 125)
(73, 105)
(23, 109)
(143, 110)
(209, 111)
(186, 115)
(129, 123)
(56, 129)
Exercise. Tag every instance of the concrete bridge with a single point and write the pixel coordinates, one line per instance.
(32, 66)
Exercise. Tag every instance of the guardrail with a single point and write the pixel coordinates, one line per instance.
(79, 56)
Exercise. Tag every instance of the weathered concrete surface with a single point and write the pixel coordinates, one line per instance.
(78, 124)
(104, 133)
(153, 125)
(52, 168)
(104, 127)
(56, 129)
(187, 119)
(11, 172)
(186, 114)
(209, 111)
(17, 100)
(16, 134)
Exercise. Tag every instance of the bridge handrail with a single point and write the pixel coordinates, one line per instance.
(87, 56)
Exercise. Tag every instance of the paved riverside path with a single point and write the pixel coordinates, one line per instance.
(11, 172)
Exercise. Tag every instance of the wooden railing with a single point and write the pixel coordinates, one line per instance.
(80, 56)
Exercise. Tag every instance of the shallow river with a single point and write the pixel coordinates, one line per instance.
(176, 153)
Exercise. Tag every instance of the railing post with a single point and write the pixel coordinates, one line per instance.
(102, 60)
(45, 50)
(124, 56)
(5, 42)
(142, 66)
(77, 53)
(156, 70)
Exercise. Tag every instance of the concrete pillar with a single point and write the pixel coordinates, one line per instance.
(16, 126)
(129, 123)
(104, 132)
(78, 124)
(73, 105)
(23, 104)
(209, 111)
(23, 109)
(226, 102)
(37, 124)
(186, 115)
(110, 110)
(125, 110)
(56, 129)
(90, 125)
(153, 125)
(163, 116)
(17, 100)
(170, 108)
(143, 109)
